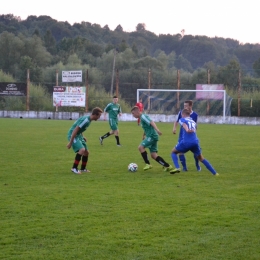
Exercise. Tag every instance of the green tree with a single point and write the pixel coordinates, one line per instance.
(228, 75)
(134, 49)
(50, 42)
(140, 27)
(11, 49)
(122, 46)
(256, 67)
(182, 63)
(33, 47)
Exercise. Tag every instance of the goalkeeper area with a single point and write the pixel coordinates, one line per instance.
(168, 101)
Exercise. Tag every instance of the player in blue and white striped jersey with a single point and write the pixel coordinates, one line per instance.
(187, 105)
(189, 142)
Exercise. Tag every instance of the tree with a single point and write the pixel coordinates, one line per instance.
(182, 63)
(228, 75)
(33, 47)
(119, 28)
(140, 27)
(11, 48)
(256, 67)
(149, 63)
(134, 49)
(162, 57)
(123, 46)
(50, 42)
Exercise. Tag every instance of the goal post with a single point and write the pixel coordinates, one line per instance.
(170, 101)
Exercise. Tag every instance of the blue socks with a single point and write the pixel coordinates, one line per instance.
(196, 161)
(183, 161)
(209, 166)
(175, 160)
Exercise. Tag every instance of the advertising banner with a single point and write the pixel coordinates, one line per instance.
(69, 96)
(211, 94)
(72, 76)
(12, 89)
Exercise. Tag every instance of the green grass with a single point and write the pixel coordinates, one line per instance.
(46, 212)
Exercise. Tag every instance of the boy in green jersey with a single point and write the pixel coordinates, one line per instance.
(78, 142)
(113, 109)
(150, 139)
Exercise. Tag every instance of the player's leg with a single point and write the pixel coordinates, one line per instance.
(145, 143)
(181, 155)
(175, 161)
(101, 138)
(179, 148)
(197, 163)
(153, 150)
(183, 161)
(79, 149)
(197, 152)
(117, 136)
(207, 164)
(84, 160)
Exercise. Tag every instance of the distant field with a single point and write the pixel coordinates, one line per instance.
(47, 212)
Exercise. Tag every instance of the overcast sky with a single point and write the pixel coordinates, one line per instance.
(236, 19)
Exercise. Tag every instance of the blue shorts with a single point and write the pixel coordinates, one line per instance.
(185, 147)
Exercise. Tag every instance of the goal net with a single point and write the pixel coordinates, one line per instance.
(168, 101)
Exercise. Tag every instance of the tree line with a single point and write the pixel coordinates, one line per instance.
(45, 45)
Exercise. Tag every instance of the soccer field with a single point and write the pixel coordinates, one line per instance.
(47, 212)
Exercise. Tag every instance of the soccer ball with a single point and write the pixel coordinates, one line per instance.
(132, 167)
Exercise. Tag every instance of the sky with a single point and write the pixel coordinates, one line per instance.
(236, 19)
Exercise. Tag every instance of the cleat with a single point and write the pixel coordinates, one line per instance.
(101, 140)
(167, 169)
(147, 167)
(119, 145)
(76, 171)
(176, 170)
(184, 169)
(216, 174)
(85, 170)
(198, 168)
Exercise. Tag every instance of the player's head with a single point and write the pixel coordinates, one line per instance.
(188, 105)
(96, 113)
(115, 99)
(135, 112)
(185, 112)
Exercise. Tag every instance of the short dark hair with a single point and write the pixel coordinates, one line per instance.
(185, 112)
(115, 97)
(189, 102)
(96, 111)
(135, 108)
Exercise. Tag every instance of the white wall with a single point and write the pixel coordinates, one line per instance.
(128, 117)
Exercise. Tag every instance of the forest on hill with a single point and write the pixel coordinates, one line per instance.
(45, 45)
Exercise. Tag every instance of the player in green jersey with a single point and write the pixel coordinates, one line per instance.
(150, 139)
(78, 142)
(113, 109)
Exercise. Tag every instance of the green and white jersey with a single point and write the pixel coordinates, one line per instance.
(83, 122)
(148, 129)
(113, 110)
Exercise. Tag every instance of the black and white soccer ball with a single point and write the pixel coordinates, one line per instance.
(132, 167)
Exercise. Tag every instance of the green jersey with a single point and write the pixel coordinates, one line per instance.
(148, 129)
(83, 122)
(113, 110)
